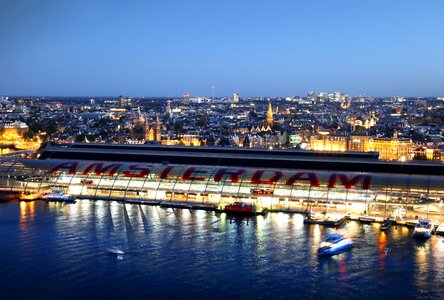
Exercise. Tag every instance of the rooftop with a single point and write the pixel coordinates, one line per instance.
(235, 157)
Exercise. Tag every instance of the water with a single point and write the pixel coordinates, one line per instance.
(55, 250)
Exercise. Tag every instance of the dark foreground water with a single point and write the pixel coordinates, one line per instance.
(55, 251)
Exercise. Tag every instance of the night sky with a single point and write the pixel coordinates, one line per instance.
(254, 48)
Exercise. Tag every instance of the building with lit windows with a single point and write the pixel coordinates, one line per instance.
(279, 181)
(388, 148)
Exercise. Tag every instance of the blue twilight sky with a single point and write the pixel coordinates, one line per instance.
(255, 48)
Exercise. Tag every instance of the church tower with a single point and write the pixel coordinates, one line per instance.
(158, 136)
(269, 118)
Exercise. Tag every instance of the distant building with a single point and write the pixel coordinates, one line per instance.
(388, 148)
(168, 110)
(186, 98)
(13, 128)
(125, 101)
(328, 143)
(235, 98)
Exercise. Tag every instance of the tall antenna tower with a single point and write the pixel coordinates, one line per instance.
(212, 92)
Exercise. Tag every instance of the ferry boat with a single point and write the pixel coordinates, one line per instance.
(30, 196)
(6, 196)
(335, 243)
(386, 224)
(61, 196)
(326, 220)
(243, 208)
(367, 219)
(423, 229)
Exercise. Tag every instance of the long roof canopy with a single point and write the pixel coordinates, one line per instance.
(269, 177)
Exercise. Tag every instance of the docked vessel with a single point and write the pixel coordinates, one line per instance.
(423, 229)
(367, 219)
(61, 196)
(6, 196)
(386, 224)
(243, 208)
(30, 196)
(335, 243)
(326, 220)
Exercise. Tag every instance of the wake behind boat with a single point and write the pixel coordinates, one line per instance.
(335, 243)
(423, 229)
(59, 195)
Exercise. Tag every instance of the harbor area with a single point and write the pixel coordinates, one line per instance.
(326, 214)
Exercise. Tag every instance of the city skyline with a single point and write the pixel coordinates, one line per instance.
(153, 49)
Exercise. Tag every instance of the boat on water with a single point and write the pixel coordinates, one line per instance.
(30, 196)
(60, 196)
(386, 224)
(6, 196)
(367, 219)
(243, 208)
(423, 229)
(335, 243)
(115, 251)
(326, 220)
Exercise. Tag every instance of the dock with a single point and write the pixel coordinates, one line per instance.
(440, 230)
(325, 219)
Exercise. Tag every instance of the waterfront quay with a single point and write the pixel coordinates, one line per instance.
(343, 184)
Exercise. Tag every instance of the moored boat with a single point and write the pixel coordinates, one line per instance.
(60, 196)
(30, 196)
(367, 219)
(6, 196)
(386, 224)
(243, 208)
(325, 220)
(423, 229)
(335, 243)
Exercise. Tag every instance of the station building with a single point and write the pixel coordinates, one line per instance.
(279, 180)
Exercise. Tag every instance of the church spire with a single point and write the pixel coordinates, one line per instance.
(269, 118)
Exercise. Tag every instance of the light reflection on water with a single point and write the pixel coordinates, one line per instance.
(174, 252)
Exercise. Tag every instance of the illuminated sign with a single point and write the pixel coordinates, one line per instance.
(233, 175)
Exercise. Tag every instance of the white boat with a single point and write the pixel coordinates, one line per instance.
(115, 250)
(335, 243)
(423, 229)
(58, 195)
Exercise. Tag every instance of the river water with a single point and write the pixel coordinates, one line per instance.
(55, 250)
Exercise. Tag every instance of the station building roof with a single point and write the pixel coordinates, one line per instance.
(236, 157)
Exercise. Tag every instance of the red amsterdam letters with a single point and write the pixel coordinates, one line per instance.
(234, 175)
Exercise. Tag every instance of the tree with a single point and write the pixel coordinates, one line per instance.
(29, 135)
(51, 128)
(178, 126)
(80, 138)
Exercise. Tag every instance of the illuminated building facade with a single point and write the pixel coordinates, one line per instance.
(388, 148)
(11, 137)
(328, 143)
(218, 186)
